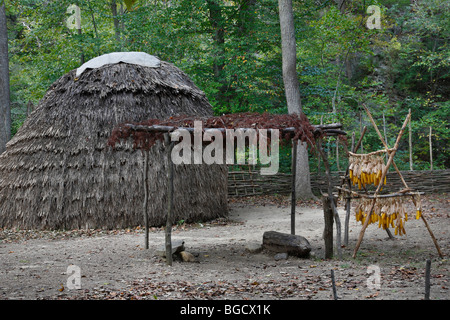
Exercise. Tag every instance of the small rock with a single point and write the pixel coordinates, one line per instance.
(187, 256)
(281, 256)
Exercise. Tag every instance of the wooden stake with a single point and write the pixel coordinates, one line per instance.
(293, 195)
(328, 230)
(427, 279)
(360, 129)
(333, 282)
(359, 143)
(432, 236)
(337, 154)
(410, 146)
(331, 197)
(145, 178)
(431, 151)
(347, 219)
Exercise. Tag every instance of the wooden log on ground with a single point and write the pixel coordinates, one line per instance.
(294, 245)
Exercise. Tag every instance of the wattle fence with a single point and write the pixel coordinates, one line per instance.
(249, 182)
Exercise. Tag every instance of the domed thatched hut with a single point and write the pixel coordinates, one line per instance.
(58, 172)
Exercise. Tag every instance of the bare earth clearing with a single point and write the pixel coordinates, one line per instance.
(115, 265)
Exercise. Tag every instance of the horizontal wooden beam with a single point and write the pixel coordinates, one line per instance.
(390, 195)
(329, 130)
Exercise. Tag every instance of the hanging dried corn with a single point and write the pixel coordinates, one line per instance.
(387, 212)
(366, 169)
(418, 206)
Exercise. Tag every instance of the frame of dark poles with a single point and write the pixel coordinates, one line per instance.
(327, 130)
(319, 132)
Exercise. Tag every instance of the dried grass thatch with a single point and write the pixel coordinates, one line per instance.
(59, 173)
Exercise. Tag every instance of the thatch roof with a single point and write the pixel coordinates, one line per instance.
(58, 171)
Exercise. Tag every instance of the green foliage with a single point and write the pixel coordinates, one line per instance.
(231, 49)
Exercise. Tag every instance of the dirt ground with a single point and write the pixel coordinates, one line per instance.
(114, 264)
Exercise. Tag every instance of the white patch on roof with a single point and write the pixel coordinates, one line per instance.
(139, 58)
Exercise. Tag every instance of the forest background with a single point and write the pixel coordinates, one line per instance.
(232, 51)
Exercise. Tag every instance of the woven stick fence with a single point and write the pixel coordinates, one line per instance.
(249, 182)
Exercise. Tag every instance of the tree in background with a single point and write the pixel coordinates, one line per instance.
(292, 90)
(5, 113)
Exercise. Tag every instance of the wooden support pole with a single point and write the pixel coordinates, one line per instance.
(347, 219)
(337, 154)
(379, 196)
(410, 146)
(359, 143)
(168, 231)
(145, 205)
(338, 227)
(360, 129)
(331, 197)
(333, 282)
(328, 229)
(432, 236)
(353, 142)
(431, 149)
(427, 279)
(383, 175)
(293, 192)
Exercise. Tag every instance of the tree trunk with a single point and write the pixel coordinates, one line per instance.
(5, 112)
(292, 91)
(217, 24)
(116, 23)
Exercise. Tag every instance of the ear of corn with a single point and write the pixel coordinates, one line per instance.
(387, 213)
(366, 170)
